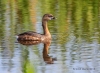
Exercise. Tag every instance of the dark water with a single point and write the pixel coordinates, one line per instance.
(75, 45)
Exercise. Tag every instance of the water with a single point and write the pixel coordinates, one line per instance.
(75, 45)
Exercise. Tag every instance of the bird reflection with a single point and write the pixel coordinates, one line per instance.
(48, 59)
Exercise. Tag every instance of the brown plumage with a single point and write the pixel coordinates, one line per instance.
(27, 38)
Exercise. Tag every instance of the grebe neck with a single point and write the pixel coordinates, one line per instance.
(45, 28)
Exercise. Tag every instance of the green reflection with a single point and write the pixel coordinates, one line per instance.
(27, 65)
(23, 15)
(14, 19)
(76, 19)
(2, 18)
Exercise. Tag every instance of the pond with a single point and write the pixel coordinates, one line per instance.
(75, 45)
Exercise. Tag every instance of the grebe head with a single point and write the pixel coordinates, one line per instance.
(48, 17)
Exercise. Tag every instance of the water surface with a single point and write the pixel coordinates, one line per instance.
(75, 36)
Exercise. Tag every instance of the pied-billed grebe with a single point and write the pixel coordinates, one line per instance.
(33, 36)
